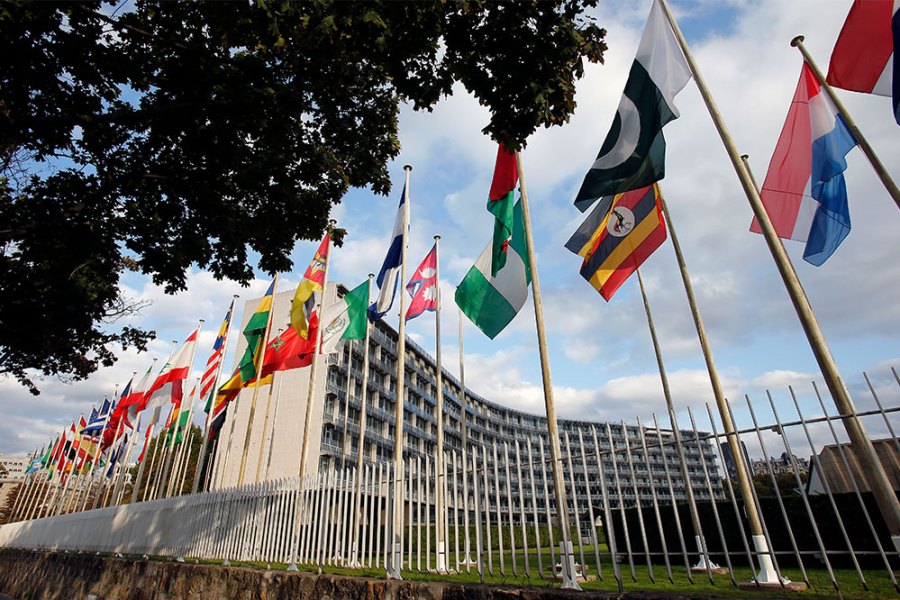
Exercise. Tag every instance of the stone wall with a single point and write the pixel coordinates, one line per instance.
(26, 575)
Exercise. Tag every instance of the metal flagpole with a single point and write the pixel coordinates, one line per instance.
(767, 574)
(119, 484)
(881, 485)
(566, 548)
(884, 494)
(118, 433)
(360, 449)
(670, 405)
(882, 173)
(262, 441)
(184, 448)
(463, 432)
(344, 449)
(393, 568)
(156, 414)
(204, 446)
(96, 456)
(271, 444)
(261, 349)
(313, 373)
(440, 500)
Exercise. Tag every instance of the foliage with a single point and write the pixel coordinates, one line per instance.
(156, 449)
(192, 133)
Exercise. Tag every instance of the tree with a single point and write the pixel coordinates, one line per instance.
(182, 134)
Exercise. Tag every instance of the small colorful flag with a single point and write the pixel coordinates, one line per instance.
(169, 384)
(254, 332)
(863, 56)
(346, 318)
(389, 275)
(423, 286)
(804, 192)
(208, 381)
(617, 237)
(308, 293)
(501, 200)
(493, 301)
(633, 154)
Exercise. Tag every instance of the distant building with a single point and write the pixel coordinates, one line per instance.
(487, 424)
(12, 472)
(833, 463)
(781, 465)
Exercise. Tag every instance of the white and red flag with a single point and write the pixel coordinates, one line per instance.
(423, 287)
(863, 56)
(169, 385)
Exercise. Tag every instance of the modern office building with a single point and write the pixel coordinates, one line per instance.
(642, 470)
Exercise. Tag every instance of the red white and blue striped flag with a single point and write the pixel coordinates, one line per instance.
(804, 191)
(208, 381)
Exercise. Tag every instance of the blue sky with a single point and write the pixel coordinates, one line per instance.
(601, 357)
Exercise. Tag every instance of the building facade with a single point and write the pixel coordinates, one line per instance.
(645, 461)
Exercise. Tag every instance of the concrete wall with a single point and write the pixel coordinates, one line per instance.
(287, 413)
(53, 576)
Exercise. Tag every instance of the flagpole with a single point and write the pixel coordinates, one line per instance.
(313, 370)
(882, 489)
(463, 431)
(440, 500)
(360, 450)
(344, 451)
(275, 419)
(261, 349)
(201, 461)
(566, 548)
(97, 454)
(262, 441)
(24, 488)
(393, 569)
(118, 483)
(156, 413)
(185, 451)
(705, 561)
(882, 173)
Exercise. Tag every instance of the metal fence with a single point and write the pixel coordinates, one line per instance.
(638, 508)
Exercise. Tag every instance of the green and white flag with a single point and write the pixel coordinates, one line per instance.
(492, 302)
(346, 318)
(633, 154)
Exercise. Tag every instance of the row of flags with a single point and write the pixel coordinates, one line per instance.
(804, 194)
(804, 191)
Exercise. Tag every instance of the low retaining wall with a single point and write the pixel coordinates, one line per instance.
(27, 575)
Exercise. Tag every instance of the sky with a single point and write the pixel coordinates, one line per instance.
(601, 358)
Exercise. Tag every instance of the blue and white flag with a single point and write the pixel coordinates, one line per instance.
(98, 420)
(116, 457)
(389, 275)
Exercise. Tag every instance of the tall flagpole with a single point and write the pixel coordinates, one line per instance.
(313, 369)
(119, 482)
(562, 506)
(705, 561)
(882, 173)
(440, 500)
(344, 449)
(393, 567)
(881, 487)
(96, 456)
(767, 574)
(463, 405)
(360, 449)
(271, 443)
(261, 349)
(204, 445)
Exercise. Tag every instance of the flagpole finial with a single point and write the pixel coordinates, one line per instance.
(745, 157)
(437, 237)
(407, 167)
(797, 41)
(203, 320)
(371, 275)
(236, 296)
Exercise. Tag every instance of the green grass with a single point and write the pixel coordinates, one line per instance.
(879, 583)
